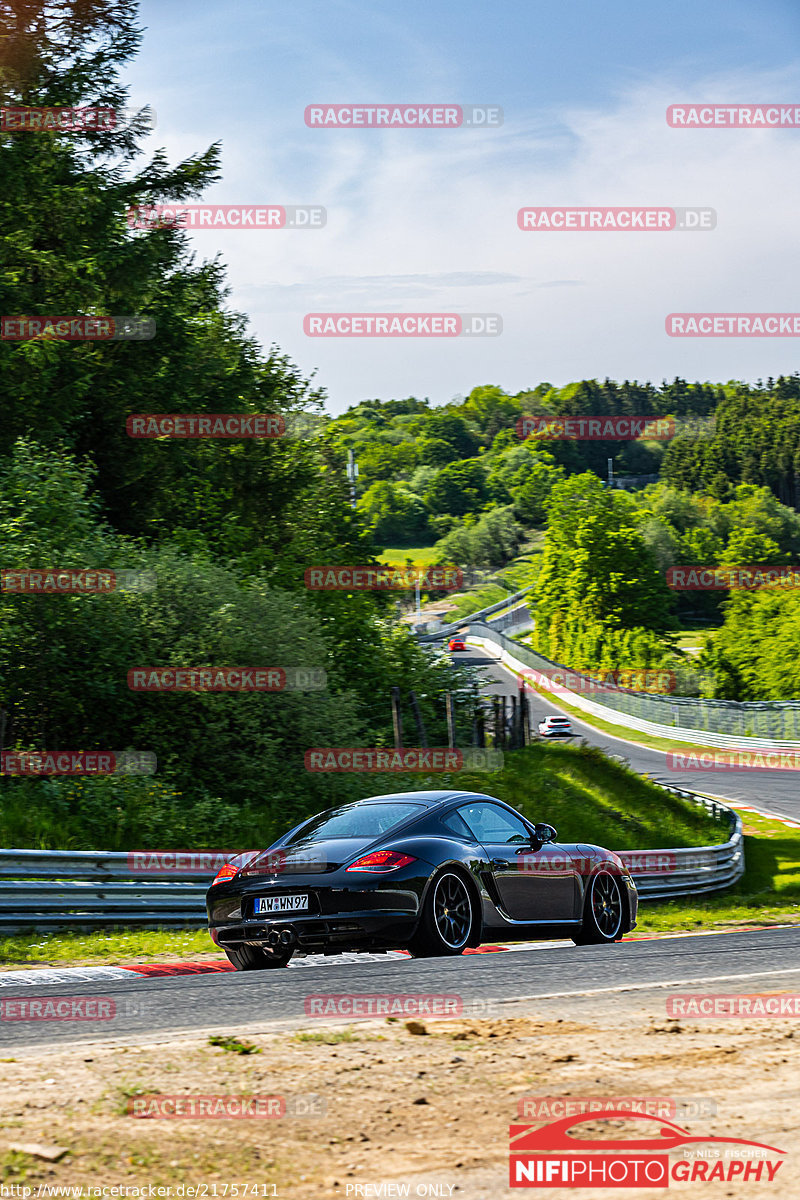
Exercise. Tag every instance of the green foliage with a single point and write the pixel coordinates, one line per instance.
(392, 512)
(756, 653)
(233, 1044)
(458, 488)
(756, 441)
(491, 542)
(599, 593)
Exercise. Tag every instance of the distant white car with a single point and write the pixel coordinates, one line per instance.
(556, 727)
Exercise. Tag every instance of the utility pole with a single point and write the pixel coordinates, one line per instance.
(352, 475)
(611, 472)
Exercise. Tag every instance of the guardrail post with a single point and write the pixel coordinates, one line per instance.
(451, 720)
(421, 734)
(514, 739)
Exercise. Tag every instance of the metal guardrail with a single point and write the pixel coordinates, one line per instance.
(454, 626)
(59, 889)
(696, 869)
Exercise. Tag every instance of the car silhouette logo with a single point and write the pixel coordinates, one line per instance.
(526, 1139)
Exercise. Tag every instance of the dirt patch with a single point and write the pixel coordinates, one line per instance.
(372, 1103)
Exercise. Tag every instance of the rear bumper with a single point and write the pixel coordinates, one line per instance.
(312, 933)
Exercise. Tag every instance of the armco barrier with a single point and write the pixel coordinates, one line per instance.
(88, 889)
(692, 721)
(455, 626)
(57, 889)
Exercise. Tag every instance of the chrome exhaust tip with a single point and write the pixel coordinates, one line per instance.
(274, 938)
(288, 937)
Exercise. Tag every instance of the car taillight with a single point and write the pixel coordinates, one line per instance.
(226, 871)
(381, 860)
(234, 865)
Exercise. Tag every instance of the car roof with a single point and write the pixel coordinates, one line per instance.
(429, 799)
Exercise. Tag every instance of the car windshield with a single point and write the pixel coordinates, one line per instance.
(357, 821)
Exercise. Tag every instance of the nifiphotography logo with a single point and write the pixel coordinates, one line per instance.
(555, 1156)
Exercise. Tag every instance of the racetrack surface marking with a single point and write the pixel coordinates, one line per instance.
(46, 976)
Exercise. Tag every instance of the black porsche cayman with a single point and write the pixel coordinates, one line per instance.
(427, 872)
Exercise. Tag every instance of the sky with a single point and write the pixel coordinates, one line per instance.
(425, 220)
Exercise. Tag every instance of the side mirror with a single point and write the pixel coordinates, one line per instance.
(544, 833)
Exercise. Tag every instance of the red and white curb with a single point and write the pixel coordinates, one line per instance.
(46, 976)
(760, 812)
(50, 976)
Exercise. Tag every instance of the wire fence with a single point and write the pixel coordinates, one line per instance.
(777, 720)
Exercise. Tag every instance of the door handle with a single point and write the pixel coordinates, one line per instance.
(497, 863)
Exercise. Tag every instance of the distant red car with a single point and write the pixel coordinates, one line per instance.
(456, 643)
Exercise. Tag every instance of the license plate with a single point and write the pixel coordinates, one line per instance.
(280, 904)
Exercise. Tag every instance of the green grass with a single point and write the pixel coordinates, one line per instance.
(590, 798)
(233, 1044)
(768, 892)
(106, 946)
(465, 603)
(418, 554)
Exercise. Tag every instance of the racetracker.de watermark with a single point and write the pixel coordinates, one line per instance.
(383, 578)
(763, 324)
(205, 425)
(210, 862)
(78, 762)
(225, 1107)
(54, 581)
(630, 219)
(549, 1108)
(227, 216)
(595, 429)
(403, 116)
(633, 679)
(417, 758)
(734, 760)
(402, 324)
(715, 579)
(733, 1004)
(733, 116)
(59, 1008)
(643, 862)
(72, 120)
(370, 1005)
(227, 679)
(77, 328)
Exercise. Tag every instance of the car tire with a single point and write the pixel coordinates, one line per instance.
(448, 918)
(253, 958)
(603, 911)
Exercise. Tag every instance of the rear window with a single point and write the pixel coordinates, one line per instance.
(358, 821)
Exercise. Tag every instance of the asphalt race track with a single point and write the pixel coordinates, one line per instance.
(537, 980)
(771, 790)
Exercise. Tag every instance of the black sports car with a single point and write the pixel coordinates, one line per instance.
(428, 872)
